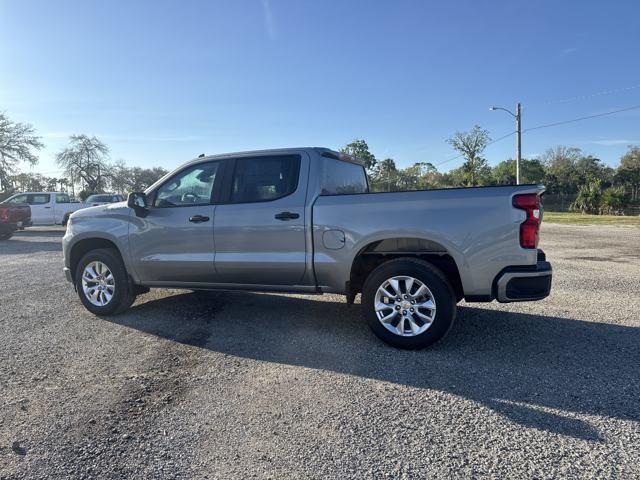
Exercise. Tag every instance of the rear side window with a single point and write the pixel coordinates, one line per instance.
(341, 178)
(39, 198)
(62, 198)
(262, 179)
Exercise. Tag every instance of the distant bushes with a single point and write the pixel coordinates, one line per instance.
(614, 201)
(593, 199)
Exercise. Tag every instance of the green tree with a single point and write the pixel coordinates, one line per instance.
(560, 165)
(385, 176)
(456, 177)
(27, 182)
(18, 143)
(64, 184)
(359, 149)
(51, 184)
(614, 201)
(419, 176)
(589, 197)
(86, 158)
(471, 145)
(531, 171)
(628, 173)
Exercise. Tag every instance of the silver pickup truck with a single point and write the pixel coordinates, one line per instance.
(303, 220)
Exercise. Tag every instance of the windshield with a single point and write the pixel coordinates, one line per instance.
(99, 198)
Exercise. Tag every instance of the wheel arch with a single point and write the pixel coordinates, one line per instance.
(86, 245)
(377, 252)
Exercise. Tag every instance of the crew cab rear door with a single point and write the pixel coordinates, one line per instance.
(259, 229)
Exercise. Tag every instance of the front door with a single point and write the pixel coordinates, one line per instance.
(174, 242)
(260, 230)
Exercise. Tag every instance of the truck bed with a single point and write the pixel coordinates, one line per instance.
(477, 227)
(16, 213)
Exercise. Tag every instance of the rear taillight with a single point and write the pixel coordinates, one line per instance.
(530, 203)
(4, 213)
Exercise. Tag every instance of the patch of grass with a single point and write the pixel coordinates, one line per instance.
(582, 219)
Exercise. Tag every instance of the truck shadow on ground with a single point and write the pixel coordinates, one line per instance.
(538, 371)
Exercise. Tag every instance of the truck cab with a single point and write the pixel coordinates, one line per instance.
(47, 208)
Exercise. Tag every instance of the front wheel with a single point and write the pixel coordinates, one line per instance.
(6, 236)
(408, 303)
(102, 283)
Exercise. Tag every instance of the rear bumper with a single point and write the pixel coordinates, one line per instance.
(521, 284)
(8, 227)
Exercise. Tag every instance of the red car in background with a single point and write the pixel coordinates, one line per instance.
(13, 217)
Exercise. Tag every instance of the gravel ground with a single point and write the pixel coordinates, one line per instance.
(245, 385)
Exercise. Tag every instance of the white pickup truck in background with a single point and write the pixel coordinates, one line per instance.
(47, 208)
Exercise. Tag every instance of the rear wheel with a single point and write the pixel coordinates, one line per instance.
(102, 283)
(6, 236)
(408, 303)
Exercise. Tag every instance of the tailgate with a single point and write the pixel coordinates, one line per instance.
(20, 213)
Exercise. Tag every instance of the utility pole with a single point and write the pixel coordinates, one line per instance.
(518, 117)
(518, 142)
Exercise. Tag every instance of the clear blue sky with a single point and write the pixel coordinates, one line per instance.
(164, 81)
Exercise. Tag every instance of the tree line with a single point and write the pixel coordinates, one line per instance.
(593, 186)
(85, 161)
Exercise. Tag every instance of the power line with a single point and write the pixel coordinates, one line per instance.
(581, 118)
(591, 95)
(548, 125)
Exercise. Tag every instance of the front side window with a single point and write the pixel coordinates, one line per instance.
(262, 179)
(62, 198)
(341, 178)
(39, 198)
(190, 187)
(18, 199)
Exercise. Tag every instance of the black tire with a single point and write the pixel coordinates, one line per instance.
(123, 295)
(433, 279)
(6, 236)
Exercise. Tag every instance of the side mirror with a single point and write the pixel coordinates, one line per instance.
(138, 201)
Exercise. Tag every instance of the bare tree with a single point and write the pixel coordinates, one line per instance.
(86, 158)
(560, 156)
(18, 143)
(133, 179)
(471, 145)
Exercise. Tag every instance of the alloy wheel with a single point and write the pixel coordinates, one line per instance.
(405, 306)
(98, 283)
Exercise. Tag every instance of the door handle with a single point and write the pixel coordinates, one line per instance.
(47, 207)
(198, 218)
(287, 216)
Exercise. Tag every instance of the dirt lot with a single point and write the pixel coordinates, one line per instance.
(243, 385)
